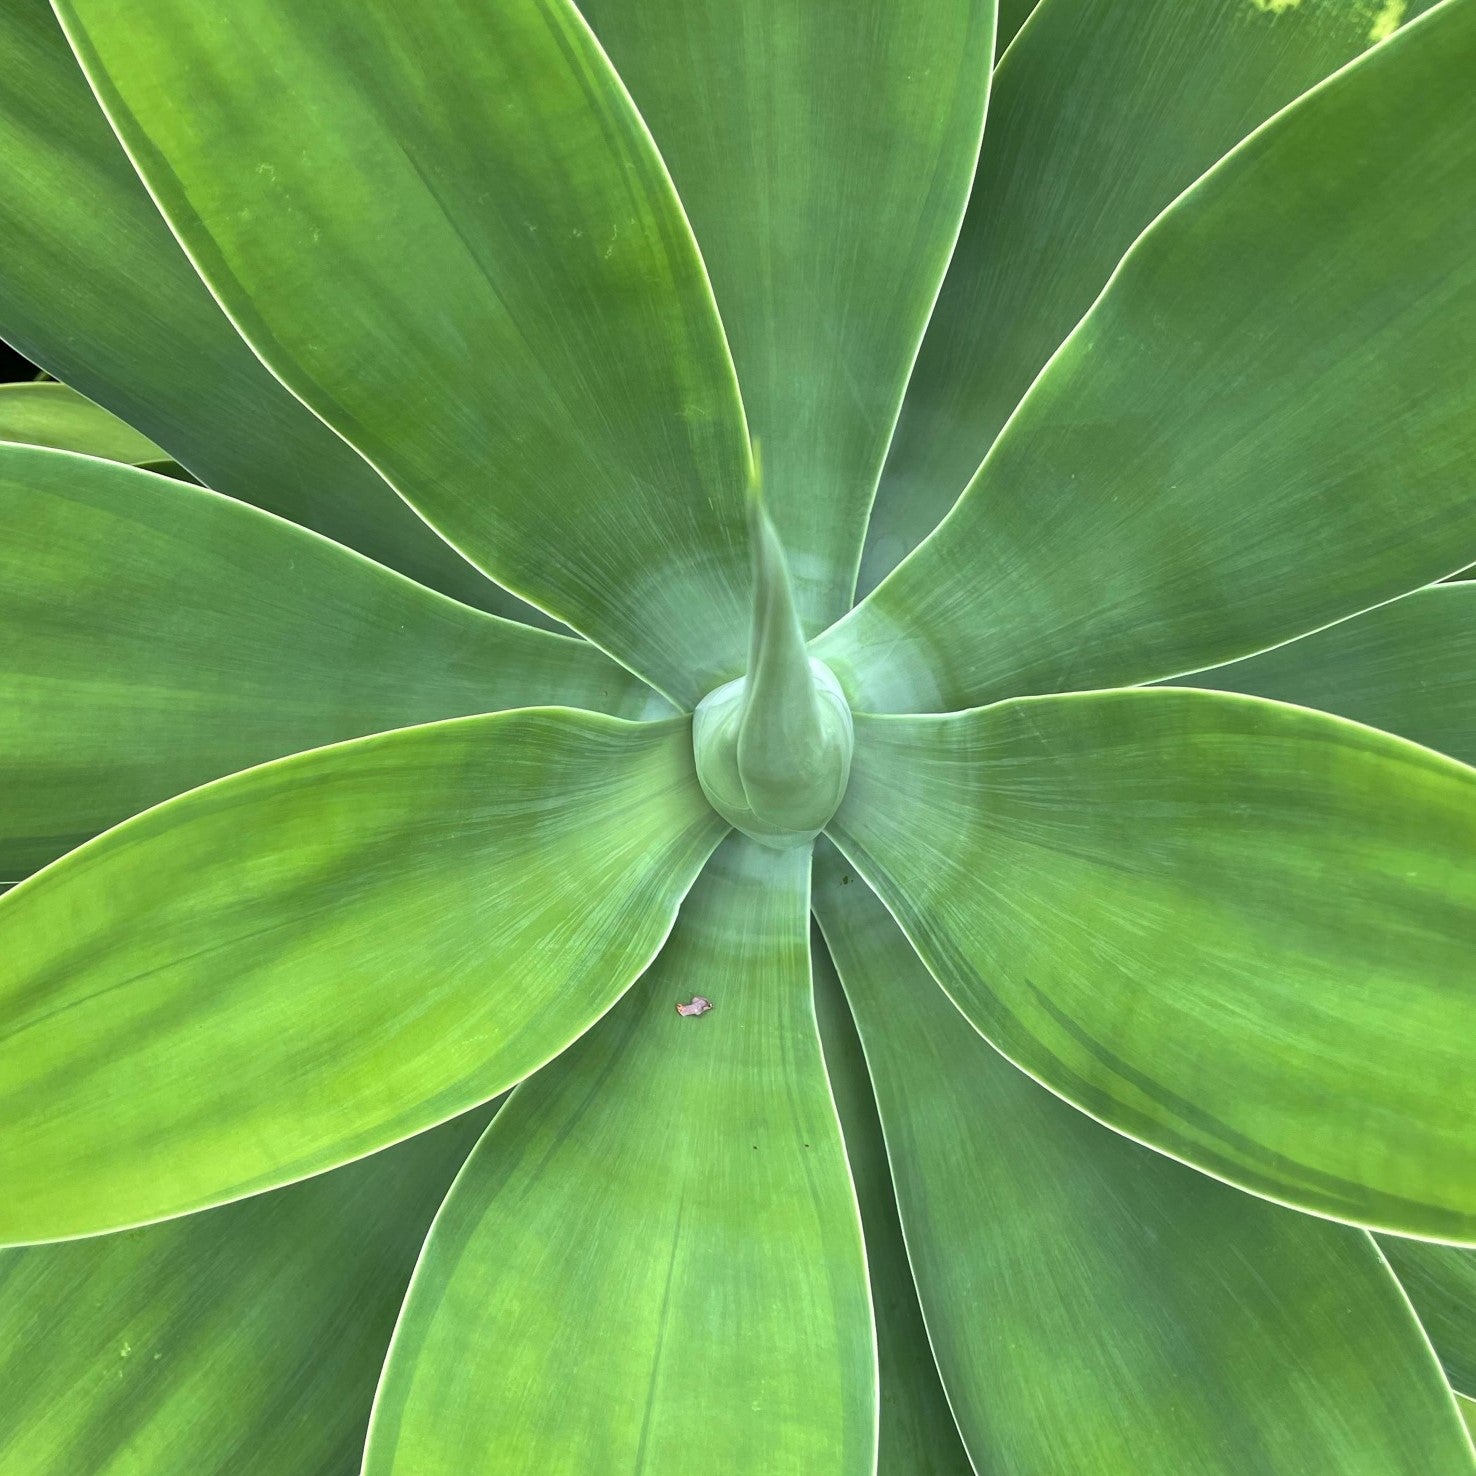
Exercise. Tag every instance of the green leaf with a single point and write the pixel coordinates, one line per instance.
(1237, 931)
(653, 1260)
(917, 1435)
(51, 414)
(247, 1338)
(1467, 1408)
(1441, 1282)
(824, 154)
(296, 965)
(154, 636)
(465, 254)
(1408, 667)
(1012, 15)
(1103, 113)
(1099, 1308)
(96, 289)
(1266, 423)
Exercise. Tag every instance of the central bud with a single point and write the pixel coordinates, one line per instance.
(774, 747)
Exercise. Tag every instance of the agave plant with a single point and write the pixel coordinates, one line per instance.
(473, 707)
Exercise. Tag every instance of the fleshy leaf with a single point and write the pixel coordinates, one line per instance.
(1097, 1307)
(97, 290)
(824, 154)
(653, 1260)
(155, 635)
(465, 254)
(1235, 930)
(917, 1436)
(1441, 1282)
(245, 1338)
(1408, 667)
(52, 414)
(1265, 423)
(1100, 117)
(296, 965)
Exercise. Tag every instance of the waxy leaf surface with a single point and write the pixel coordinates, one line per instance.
(1097, 1307)
(296, 965)
(1441, 1282)
(1236, 930)
(51, 414)
(465, 254)
(97, 291)
(1266, 423)
(824, 154)
(154, 636)
(653, 1260)
(246, 1339)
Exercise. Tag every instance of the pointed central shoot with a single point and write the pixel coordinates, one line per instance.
(774, 747)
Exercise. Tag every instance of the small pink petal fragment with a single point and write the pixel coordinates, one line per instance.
(699, 1006)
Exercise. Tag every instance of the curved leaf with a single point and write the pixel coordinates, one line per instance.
(296, 965)
(1096, 1307)
(465, 254)
(51, 414)
(1408, 667)
(154, 636)
(653, 1261)
(96, 290)
(246, 1338)
(1101, 116)
(1237, 931)
(1264, 424)
(824, 155)
(1012, 15)
(1441, 1282)
(917, 1436)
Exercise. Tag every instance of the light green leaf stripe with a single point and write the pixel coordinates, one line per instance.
(1265, 424)
(1441, 1282)
(96, 290)
(154, 636)
(1103, 113)
(296, 965)
(1467, 1408)
(824, 154)
(1408, 667)
(245, 1339)
(1238, 931)
(917, 1435)
(466, 255)
(1098, 1308)
(51, 414)
(653, 1262)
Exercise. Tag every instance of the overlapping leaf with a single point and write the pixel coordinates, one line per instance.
(154, 636)
(465, 254)
(1237, 930)
(653, 1261)
(296, 965)
(1265, 423)
(1097, 1307)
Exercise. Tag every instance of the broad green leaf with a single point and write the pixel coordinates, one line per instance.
(917, 1435)
(1267, 422)
(1408, 667)
(1102, 114)
(296, 965)
(824, 154)
(51, 414)
(652, 1262)
(1467, 1408)
(97, 290)
(1441, 1282)
(465, 254)
(155, 635)
(247, 1339)
(1097, 1307)
(1235, 930)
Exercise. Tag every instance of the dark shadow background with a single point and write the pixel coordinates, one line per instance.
(13, 367)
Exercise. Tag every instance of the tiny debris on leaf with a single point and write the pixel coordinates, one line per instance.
(698, 1006)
